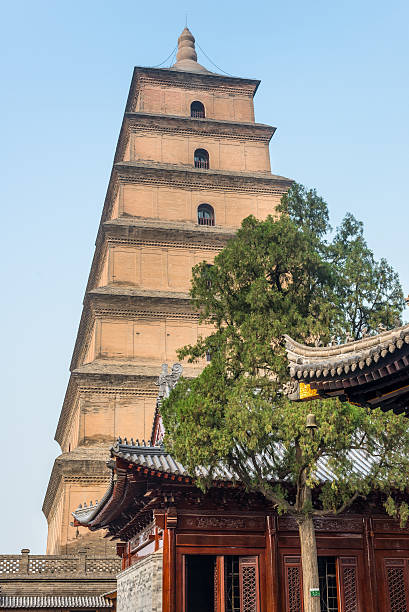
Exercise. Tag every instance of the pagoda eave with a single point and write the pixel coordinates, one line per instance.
(136, 121)
(128, 298)
(199, 177)
(194, 80)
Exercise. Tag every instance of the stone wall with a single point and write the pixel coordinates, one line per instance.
(59, 575)
(140, 586)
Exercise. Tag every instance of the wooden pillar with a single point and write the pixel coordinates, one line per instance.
(370, 588)
(169, 561)
(272, 566)
(220, 603)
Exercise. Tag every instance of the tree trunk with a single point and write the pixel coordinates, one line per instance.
(309, 562)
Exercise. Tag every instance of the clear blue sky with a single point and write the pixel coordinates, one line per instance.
(334, 82)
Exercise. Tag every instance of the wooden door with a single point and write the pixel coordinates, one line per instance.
(348, 584)
(236, 590)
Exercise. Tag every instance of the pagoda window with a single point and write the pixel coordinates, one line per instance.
(205, 214)
(201, 158)
(197, 110)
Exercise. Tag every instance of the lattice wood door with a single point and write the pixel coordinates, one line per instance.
(249, 590)
(397, 577)
(348, 584)
(247, 585)
(293, 584)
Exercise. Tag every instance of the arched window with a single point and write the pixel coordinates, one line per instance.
(197, 110)
(205, 214)
(201, 158)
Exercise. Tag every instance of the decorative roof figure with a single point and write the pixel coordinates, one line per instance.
(167, 381)
(186, 58)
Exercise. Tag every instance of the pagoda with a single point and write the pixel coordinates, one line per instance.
(190, 165)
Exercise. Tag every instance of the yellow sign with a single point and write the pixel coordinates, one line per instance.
(306, 392)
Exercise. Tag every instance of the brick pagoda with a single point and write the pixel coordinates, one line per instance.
(190, 164)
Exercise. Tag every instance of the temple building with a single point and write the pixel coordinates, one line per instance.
(191, 163)
(227, 550)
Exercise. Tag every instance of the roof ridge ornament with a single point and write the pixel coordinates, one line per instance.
(168, 380)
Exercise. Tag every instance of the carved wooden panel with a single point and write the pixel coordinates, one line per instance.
(397, 584)
(226, 523)
(293, 584)
(249, 589)
(326, 524)
(385, 525)
(348, 581)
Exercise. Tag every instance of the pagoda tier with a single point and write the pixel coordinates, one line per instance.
(182, 181)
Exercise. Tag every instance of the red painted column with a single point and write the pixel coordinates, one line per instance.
(169, 562)
(272, 566)
(371, 590)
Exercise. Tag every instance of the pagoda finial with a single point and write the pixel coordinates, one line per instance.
(186, 46)
(186, 57)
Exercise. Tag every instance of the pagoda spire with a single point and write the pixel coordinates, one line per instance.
(186, 57)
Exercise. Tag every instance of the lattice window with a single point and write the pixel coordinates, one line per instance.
(350, 594)
(395, 576)
(249, 584)
(52, 566)
(293, 584)
(103, 566)
(9, 565)
(348, 577)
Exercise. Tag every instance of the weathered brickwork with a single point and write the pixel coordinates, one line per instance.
(140, 586)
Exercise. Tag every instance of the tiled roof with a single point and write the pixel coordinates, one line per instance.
(152, 457)
(54, 601)
(156, 459)
(311, 363)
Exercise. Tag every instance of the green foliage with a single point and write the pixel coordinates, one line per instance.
(307, 209)
(269, 280)
(276, 277)
(369, 290)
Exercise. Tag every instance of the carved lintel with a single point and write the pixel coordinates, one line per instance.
(325, 524)
(224, 522)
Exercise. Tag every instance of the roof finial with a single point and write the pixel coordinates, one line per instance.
(186, 58)
(186, 46)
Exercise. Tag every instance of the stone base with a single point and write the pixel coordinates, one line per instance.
(140, 586)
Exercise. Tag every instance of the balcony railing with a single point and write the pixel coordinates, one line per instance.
(205, 221)
(52, 565)
(202, 163)
(197, 114)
